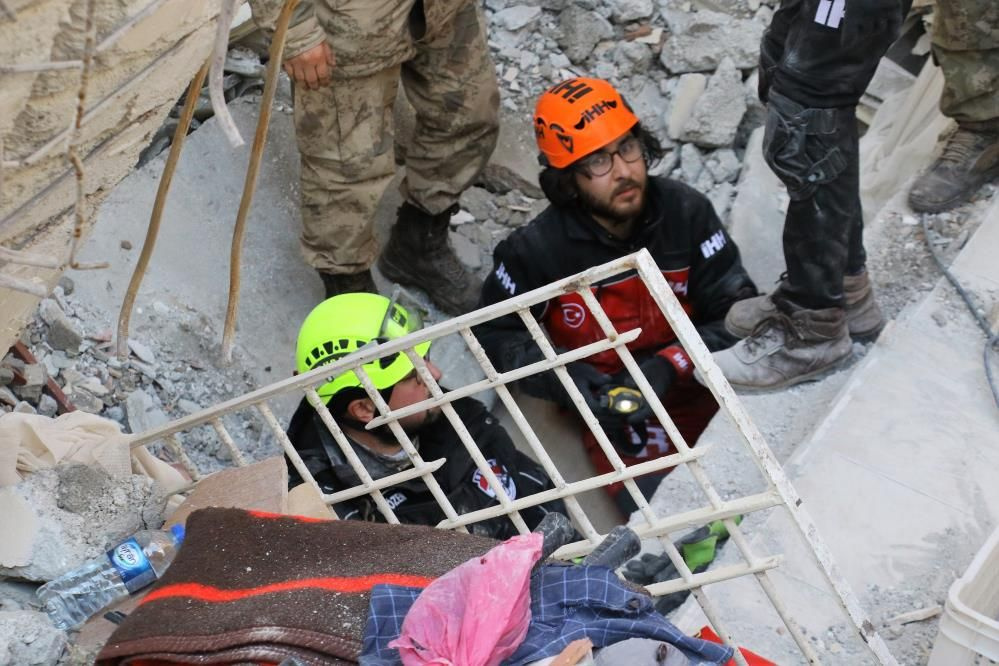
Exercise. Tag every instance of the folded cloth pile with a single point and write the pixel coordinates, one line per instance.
(567, 603)
(254, 587)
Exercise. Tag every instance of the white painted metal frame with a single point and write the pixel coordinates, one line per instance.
(779, 491)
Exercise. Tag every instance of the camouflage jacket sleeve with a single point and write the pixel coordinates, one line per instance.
(304, 31)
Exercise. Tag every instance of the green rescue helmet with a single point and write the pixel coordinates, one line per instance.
(343, 324)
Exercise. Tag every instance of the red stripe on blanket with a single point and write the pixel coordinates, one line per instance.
(353, 585)
(301, 519)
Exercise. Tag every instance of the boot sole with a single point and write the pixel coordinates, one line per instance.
(814, 376)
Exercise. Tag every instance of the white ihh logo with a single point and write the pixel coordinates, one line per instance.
(830, 13)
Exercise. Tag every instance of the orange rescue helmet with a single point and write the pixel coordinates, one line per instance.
(578, 117)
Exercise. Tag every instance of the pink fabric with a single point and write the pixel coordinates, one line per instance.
(477, 614)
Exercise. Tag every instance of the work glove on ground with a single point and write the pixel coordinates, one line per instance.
(698, 549)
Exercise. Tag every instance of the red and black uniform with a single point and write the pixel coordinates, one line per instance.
(680, 229)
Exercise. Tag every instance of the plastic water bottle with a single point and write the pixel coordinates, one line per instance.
(130, 566)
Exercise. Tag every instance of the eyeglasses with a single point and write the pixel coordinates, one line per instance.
(601, 162)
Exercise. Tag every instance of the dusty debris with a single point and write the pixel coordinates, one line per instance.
(27, 638)
(58, 518)
(699, 41)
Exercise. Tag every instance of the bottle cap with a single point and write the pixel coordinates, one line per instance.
(178, 533)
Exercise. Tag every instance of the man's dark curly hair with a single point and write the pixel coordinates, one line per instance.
(559, 185)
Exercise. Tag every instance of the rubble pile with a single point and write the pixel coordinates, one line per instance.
(73, 347)
(687, 69)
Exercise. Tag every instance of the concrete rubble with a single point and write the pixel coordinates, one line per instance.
(27, 638)
(64, 516)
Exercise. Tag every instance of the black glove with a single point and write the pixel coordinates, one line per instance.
(587, 379)
(661, 375)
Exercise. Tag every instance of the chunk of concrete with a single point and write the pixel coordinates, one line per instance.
(58, 518)
(514, 163)
(143, 412)
(688, 90)
(63, 333)
(699, 41)
(718, 112)
(34, 381)
(517, 17)
(625, 11)
(723, 165)
(28, 638)
(580, 31)
(691, 163)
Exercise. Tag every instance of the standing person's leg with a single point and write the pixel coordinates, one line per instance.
(966, 46)
(811, 143)
(451, 84)
(344, 134)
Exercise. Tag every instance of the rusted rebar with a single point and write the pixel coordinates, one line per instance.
(72, 153)
(250, 184)
(152, 232)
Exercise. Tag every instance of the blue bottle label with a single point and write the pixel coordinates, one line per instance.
(132, 565)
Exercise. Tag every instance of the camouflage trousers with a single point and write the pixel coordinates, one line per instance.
(966, 46)
(345, 135)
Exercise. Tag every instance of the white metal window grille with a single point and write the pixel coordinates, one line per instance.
(778, 492)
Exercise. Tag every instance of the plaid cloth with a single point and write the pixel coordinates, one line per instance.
(567, 603)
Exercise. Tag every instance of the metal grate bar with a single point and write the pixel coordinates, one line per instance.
(230, 445)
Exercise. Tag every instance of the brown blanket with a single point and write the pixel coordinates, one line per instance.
(255, 587)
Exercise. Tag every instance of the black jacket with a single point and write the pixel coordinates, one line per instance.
(459, 478)
(685, 237)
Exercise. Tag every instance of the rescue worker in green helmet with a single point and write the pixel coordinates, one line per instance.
(343, 324)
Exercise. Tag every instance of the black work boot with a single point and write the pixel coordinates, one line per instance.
(347, 283)
(970, 159)
(419, 254)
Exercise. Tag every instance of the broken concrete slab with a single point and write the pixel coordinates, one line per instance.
(717, 113)
(723, 165)
(34, 381)
(514, 163)
(688, 90)
(625, 11)
(63, 334)
(691, 163)
(699, 41)
(580, 31)
(143, 412)
(27, 638)
(756, 221)
(60, 517)
(517, 17)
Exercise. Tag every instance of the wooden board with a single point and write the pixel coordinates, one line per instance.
(262, 486)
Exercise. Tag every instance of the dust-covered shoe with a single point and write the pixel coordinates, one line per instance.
(419, 254)
(863, 316)
(790, 347)
(970, 158)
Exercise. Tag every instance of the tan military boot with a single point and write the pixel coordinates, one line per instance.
(787, 348)
(970, 158)
(863, 316)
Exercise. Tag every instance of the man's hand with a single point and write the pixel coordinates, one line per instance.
(312, 68)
